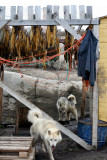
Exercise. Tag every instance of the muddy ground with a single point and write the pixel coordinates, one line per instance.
(67, 149)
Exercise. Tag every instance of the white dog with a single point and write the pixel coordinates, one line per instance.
(45, 130)
(66, 106)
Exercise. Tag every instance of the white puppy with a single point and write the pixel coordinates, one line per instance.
(66, 106)
(45, 130)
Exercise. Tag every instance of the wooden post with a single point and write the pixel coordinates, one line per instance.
(2, 16)
(30, 12)
(37, 12)
(13, 13)
(83, 99)
(20, 12)
(73, 12)
(2, 12)
(89, 12)
(82, 16)
(95, 96)
(82, 11)
(1, 89)
(66, 12)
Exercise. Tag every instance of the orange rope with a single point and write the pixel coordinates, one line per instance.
(22, 76)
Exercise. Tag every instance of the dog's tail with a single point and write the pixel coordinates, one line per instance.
(72, 98)
(33, 115)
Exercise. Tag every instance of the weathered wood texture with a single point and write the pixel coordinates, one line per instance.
(16, 13)
(22, 147)
(30, 12)
(13, 13)
(52, 22)
(66, 26)
(1, 93)
(95, 95)
(102, 74)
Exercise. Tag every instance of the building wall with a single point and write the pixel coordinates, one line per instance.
(102, 72)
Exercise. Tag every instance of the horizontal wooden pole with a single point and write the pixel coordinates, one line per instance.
(3, 23)
(27, 103)
(51, 22)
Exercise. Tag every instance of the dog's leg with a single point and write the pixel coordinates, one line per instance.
(65, 115)
(74, 111)
(43, 148)
(60, 116)
(68, 116)
(49, 150)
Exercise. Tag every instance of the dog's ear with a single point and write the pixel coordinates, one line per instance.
(49, 132)
(57, 132)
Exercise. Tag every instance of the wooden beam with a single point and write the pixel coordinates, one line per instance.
(1, 90)
(27, 103)
(49, 12)
(73, 12)
(89, 13)
(2, 12)
(95, 97)
(82, 11)
(52, 22)
(83, 99)
(13, 13)
(55, 12)
(30, 12)
(68, 28)
(37, 12)
(44, 12)
(3, 23)
(20, 12)
(66, 12)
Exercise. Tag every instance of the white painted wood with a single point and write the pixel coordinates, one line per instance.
(95, 97)
(89, 13)
(13, 13)
(66, 12)
(27, 103)
(30, 12)
(73, 12)
(49, 11)
(44, 12)
(66, 26)
(2, 12)
(37, 12)
(56, 12)
(82, 12)
(20, 12)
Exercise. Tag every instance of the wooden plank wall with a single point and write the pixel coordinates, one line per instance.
(102, 73)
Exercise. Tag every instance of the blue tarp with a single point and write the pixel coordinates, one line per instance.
(87, 58)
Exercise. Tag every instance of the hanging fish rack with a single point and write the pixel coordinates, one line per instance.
(17, 42)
